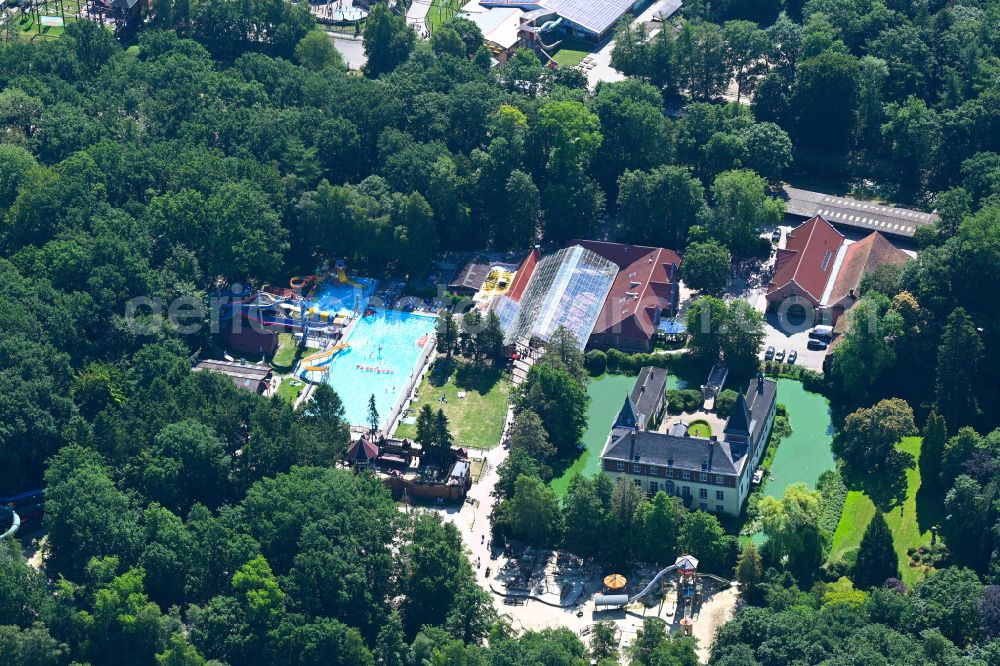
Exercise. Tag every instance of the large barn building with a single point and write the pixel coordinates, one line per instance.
(821, 270)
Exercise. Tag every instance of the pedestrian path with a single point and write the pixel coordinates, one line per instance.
(416, 16)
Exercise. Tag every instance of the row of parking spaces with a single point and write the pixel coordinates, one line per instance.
(833, 216)
(875, 208)
(791, 341)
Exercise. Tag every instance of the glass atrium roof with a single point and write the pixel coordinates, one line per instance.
(567, 288)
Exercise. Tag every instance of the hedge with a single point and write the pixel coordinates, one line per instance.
(596, 362)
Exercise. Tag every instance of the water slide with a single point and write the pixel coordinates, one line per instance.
(15, 522)
(343, 279)
(300, 281)
(316, 362)
(652, 584)
(29, 501)
(620, 600)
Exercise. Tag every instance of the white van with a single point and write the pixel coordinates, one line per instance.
(822, 332)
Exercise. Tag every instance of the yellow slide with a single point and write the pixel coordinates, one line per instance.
(342, 277)
(309, 363)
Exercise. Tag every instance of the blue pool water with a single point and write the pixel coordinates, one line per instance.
(383, 354)
(345, 297)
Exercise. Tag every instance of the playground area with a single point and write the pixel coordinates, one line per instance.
(537, 589)
(48, 20)
(338, 12)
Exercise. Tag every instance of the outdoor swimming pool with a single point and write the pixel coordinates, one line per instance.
(381, 361)
(345, 298)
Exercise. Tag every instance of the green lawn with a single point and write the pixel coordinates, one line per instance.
(572, 53)
(909, 520)
(477, 470)
(29, 29)
(700, 428)
(289, 388)
(477, 419)
(288, 353)
(441, 11)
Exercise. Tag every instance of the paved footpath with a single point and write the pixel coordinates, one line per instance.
(473, 519)
(416, 16)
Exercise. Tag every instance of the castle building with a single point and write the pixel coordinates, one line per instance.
(708, 474)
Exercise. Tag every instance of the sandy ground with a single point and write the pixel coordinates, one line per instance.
(715, 612)
(353, 50)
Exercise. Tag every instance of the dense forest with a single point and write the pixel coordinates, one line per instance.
(191, 520)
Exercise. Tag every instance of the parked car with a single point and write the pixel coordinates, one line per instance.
(780, 356)
(776, 235)
(769, 354)
(816, 344)
(821, 332)
(792, 356)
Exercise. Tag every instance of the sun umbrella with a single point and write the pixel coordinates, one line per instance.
(615, 582)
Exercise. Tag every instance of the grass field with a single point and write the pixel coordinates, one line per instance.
(477, 470)
(28, 28)
(289, 388)
(572, 53)
(476, 420)
(441, 11)
(288, 353)
(700, 428)
(910, 520)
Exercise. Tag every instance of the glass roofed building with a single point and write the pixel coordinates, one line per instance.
(567, 288)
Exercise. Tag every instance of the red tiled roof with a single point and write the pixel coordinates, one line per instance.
(649, 272)
(363, 449)
(804, 260)
(861, 257)
(523, 276)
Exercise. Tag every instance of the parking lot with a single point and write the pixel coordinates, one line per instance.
(796, 339)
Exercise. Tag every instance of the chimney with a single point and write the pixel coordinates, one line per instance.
(760, 382)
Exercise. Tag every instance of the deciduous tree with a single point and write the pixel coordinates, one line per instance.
(388, 40)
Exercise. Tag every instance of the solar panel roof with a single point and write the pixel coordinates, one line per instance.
(595, 15)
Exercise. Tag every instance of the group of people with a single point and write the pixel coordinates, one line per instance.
(375, 369)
